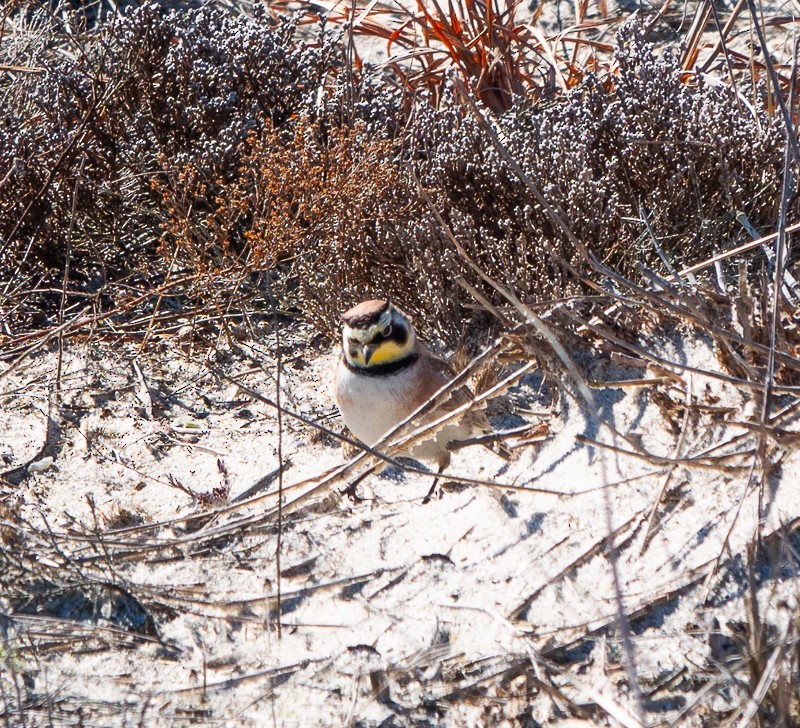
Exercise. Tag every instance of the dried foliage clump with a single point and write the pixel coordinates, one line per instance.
(686, 158)
(153, 95)
(311, 201)
(482, 40)
(497, 52)
(207, 145)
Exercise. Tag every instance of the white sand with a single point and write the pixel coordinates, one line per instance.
(454, 609)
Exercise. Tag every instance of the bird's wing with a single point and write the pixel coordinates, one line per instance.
(439, 373)
(436, 373)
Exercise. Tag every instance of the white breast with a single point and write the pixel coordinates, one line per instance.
(372, 406)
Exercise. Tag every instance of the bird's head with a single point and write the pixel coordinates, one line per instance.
(376, 333)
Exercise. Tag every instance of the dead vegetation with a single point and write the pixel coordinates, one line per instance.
(212, 176)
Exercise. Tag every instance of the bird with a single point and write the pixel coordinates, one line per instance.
(385, 373)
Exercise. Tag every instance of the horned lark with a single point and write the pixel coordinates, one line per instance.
(386, 373)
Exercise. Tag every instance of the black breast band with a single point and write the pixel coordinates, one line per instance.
(390, 367)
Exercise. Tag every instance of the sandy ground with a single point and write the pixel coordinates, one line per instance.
(491, 604)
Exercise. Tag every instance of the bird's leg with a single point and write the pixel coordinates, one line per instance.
(428, 497)
(444, 461)
(350, 490)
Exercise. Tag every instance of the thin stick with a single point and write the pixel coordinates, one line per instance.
(791, 140)
(279, 410)
(745, 247)
(650, 531)
(65, 282)
(780, 244)
(725, 541)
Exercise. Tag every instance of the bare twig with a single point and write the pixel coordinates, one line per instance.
(787, 191)
(279, 413)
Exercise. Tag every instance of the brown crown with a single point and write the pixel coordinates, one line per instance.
(365, 314)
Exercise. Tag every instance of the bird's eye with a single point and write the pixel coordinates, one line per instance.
(387, 331)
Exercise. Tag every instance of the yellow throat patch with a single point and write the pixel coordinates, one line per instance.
(386, 352)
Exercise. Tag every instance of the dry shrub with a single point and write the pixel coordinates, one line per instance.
(689, 157)
(308, 190)
(480, 39)
(86, 133)
(311, 202)
(499, 57)
(214, 146)
(342, 211)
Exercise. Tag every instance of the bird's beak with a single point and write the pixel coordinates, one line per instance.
(367, 351)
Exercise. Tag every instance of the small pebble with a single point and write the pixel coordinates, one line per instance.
(40, 465)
